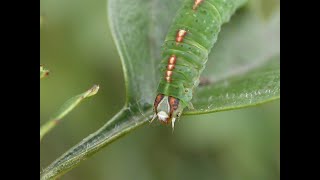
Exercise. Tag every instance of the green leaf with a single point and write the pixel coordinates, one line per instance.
(242, 70)
(68, 106)
(240, 90)
(246, 43)
(43, 72)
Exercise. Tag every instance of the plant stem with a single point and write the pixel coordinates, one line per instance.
(122, 123)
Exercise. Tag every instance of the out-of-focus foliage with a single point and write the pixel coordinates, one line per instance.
(77, 46)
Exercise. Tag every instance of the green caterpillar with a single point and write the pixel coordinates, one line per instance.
(185, 52)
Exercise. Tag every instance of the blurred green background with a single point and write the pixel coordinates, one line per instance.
(77, 47)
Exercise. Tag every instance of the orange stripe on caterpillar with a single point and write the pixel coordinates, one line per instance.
(180, 35)
(196, 4)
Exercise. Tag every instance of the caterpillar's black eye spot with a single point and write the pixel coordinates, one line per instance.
(186, 90)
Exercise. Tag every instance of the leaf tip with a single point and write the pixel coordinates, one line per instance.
(94, 90)
(43, 72)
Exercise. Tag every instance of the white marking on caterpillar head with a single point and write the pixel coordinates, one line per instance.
(162, 115)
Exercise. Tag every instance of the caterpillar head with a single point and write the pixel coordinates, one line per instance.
(167, 109)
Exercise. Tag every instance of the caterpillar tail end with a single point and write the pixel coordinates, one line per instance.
(167, 109)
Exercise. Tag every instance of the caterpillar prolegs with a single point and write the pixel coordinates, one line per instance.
(185, 51)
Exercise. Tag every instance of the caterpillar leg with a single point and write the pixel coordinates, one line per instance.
(190, 106)
(153, 118)
(204, 81)
(172, 123)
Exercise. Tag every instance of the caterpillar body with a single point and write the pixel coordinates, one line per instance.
(185, 51)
